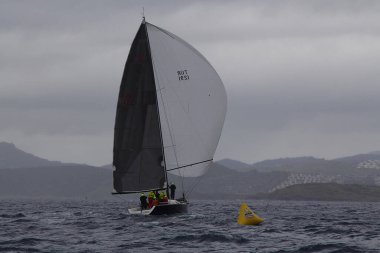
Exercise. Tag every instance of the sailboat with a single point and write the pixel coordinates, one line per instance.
(170, 113)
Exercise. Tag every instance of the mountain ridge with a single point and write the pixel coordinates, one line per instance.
(33, 176)
(12, 157)
(324, 192)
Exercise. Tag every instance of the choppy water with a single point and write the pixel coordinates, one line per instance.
(75, 226)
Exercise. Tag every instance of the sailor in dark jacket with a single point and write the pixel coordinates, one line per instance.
(143, 203)
(172, 190)
(157, 194)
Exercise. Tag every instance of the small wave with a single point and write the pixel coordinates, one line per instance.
(211, 237)
(21, 220)
(148, 224)
(135, 245)
(17, 249)
(118, 228)
(120, 216)
(312, 228)
(352, 223)
(86, 224)
(53, 220)
(195, 216)
(270, 230)
(29, 241)
(330, 247)
(338, 231)
(18, 215)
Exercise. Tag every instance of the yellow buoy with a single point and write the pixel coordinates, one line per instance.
(247, 217)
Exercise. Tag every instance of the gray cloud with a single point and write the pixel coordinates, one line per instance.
(302, 77)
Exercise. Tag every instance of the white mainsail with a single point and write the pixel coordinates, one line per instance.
(192, 103)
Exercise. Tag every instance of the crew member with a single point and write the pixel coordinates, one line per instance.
(172, 190)
(143, 202)
(150, 198)
(163, 197)
(157, 194)
(155, 202)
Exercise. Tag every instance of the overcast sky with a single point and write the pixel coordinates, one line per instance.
(302, 77)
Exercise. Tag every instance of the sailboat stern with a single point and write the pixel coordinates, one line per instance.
(173, 207)
(168, 209)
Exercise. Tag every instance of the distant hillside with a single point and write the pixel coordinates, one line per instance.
(311, 164)
(108, 166)
(296, 164)
(222, 183)
(25, 175)
(12, 157)
(77, 182)
(356, 160)
(325, 192)
(235, 165)
(80, 182)
(359, 169)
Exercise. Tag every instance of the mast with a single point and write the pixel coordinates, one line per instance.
(158, 110)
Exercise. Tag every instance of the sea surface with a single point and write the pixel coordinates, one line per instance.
(210, 226)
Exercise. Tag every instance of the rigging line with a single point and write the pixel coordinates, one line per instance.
(198, 180)
(188, 165)
(119, 197)
(183, 108)
(266, 207)
(194, 185)
(158, 108)
(166, 116)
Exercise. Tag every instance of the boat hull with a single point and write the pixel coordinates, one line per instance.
(173, 207)
(170, 209)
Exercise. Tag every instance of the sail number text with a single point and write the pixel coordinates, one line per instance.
(183, 75)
